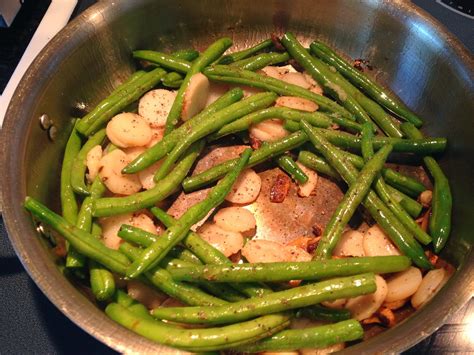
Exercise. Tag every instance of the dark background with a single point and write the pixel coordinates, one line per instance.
(29, 323)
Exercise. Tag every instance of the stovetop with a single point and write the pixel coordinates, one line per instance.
(30, 323)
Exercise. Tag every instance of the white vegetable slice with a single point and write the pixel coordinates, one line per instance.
(144, 294)
(350, 244)
(376, 243)
(225, 241)
(323, 351)
(128, 130)
(216, 90)
(297, 103)
(429, 286)
(133, 152)
(147, 175)
(296, 79)
(110, 173)
(305, 190)
(314, 85)
(363, 307)
(155, 106)
(93, 162)
(403, 284)
(265, 251)
(156, 136)
(268, 131)
(298, 254)
(246, 188)
(195, 96)
(235, 219)
(426, 197)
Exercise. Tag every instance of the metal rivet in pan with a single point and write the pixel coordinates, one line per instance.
(52, 133)
(45, 121)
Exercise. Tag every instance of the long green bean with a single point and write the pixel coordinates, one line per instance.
(219, 119)
(245, 53)
(286, 271)
(179, 230)
(109, 206)
(297, 297)
(261, 61)
(78, 169)
(383, 120)
(69, 207)
(172, 80)
(397, 232)
(385, 196)
(375, 91)
(199, 340)
(164, 146)
(352, 199)
(324, 77)
(213, 52)
(240, 76)
(314, 337)
(168, 61)
(440, 220)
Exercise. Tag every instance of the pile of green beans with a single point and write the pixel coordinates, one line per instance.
(348, 139)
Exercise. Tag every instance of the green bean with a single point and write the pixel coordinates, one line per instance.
(179, 230)
(130, 80)
(297, 297)
(78, 169)
(82, 241)
(265, 152)
(316, 118)
(109, 206)
(199, 339)
(396, 231)
(221, 291)
(440, 220)
(102, 280)
(352, 199)
(324, 77)
(69, 207)
(204, 251)
(240, 76)
(245, 53)
(161, 279)
(115, 103)
(135, 307)
(172, 80)
(214, 51)
(375, 91)
(164, 146)
(384, 194)
(288, 164)
(422, 146)
(168, 61)
(383, 120)
(314, 337)
(286, 271)
(188, 54)
(393, 177)
(316, 163)
(318, 312)
(261, 61)
(219, 119)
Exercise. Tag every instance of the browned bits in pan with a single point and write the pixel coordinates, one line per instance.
(280, 188)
